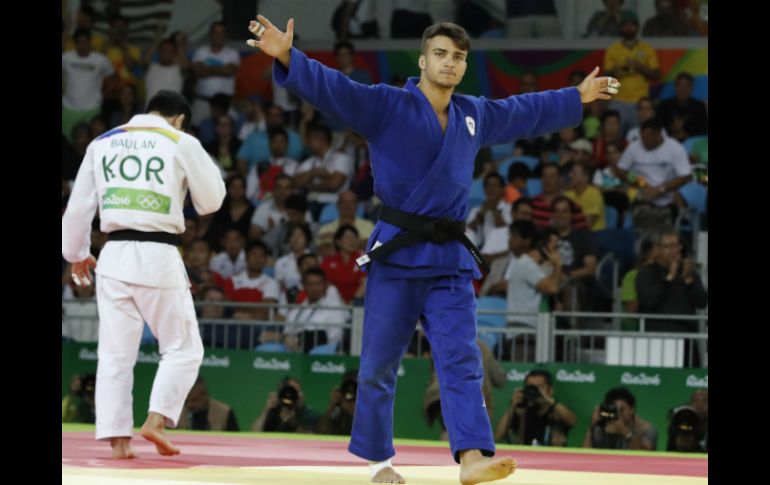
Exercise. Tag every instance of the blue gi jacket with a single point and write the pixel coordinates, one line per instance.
(416, 167)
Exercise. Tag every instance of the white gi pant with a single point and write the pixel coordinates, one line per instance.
(170, 314)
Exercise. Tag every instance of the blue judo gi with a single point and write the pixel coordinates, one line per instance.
(420, 170)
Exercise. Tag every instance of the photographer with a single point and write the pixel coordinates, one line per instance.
(285, 410)
(684, 433)
(615, 425)
(534, 416)
(79, 405)
(339, 416)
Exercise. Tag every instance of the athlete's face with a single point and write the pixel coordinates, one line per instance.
(443, 63)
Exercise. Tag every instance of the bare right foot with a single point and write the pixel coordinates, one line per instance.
(476, 468)
(387, 475)
(153, 430)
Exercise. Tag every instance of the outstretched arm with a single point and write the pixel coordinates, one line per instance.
(361, 107)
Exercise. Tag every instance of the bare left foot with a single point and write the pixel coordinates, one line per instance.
(121, 448)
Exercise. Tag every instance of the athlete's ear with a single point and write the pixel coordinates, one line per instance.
(421, 62)
(178, 122)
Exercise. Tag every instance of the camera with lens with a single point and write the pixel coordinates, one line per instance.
(349, 389)
(287, 397)
(530, 396)
(608, 412)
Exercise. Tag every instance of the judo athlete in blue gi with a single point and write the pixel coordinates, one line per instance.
(423, 140)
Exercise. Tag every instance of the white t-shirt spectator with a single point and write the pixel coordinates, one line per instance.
(222, 264)
(523, 274)
(492, 239)
(161, 77)
(333, 161)
(658, 166)
(264, 283)
(286, 271)
(83, 79)
(211, 85)
(318, 319)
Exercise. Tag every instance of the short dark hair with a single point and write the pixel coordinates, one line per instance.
(343, 228)
(651, 124)
(170, 103)
(686, 76)
(81, 32)
(562, 199)
(525, 229)
(296, 202)
(314, 271)
(343, 44)
(305, 230)
(520, 202)
(458, 35)
(620, 393)
(322, 129)
(586, 166)
(220, 100)
(542, 373)
(215, 24)
(305, 256)
(494, 175)
(273, 132)
(518, 170)
(610, 113)
(256, 243)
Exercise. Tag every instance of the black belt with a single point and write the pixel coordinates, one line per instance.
(131, 235)
(419, 229)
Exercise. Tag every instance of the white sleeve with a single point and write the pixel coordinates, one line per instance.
(108, 70)
(207, 189)
(472, 215)
(532, 273)
(507, 215)
(305, 166)
(343, 164)
(199, 56)
(682, 165)
(598, 178)
(260, 217)
(235, 58)
(81, 208)
(271, 290)
(626, 160)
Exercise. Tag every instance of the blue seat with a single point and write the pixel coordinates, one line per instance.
(534, 188)
(502, 150)
(611, 216)
(619, 242)
(270, 347)
(485, 320)
(326, 349)
(689, 143)
(477, 194)
(695, 196)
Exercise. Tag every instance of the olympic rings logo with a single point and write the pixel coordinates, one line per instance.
(148, 202)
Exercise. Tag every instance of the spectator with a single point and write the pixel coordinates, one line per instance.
(616, 192)
(535, 417)
(683, 432)
(125, 59)
(608, 133)
(628, 294)
(347, 207)
(578, 257)
(338, 419)
(692, 111)
(355, 19)
(219, 105)
(587, 196)
(341, 268)
(487, 223)
(666, 23)
(541, 204)
(203, 413)
(344, 52)
(606, 23)
(527, 19)
(79, 405)
(296, 214)
(236, 212)
(410, 18)
(83, 71)
(214, 66)
(286, 411)
(84, 19)
(661, 166)
(232, 259)
(214, 335)
(615, 424)
(634, 63)
(252, 285)
(127, 108)
(271, 212)
(225, 145)
(168, 71)
(580, 150)
(518, 173)
(324, 175)
(319, 326)
(645, 110)
(699, 400)
(263, 176)
(197, 259)
(257, 147)
(522, 210)
(287, 272)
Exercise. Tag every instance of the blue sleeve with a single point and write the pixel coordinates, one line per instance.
(362, 108)
(529, 115)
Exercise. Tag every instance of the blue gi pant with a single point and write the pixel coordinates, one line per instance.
(447, 307)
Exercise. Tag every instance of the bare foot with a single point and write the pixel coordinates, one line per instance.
(387, 475)
(121, 449)
(153, 430)
(476, 468)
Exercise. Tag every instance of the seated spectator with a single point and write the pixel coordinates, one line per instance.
(666, 23)
(645, 110)
(224, 146)
(615, 192)
(628, 295)
(236, 212)
(541, 204)
(219, 105)
(201, 412)
(256, 146)
(518, 173)
(486, 224)
(287, 273)
(341, 268)
(522, 210)
(197, 260)
(587, 196)
(347, 205)
(609, 132)
(286, 410)
(232, 259)
(296, 214)
(262, 176)
(606, 23)
(271, 212)
(692, 111)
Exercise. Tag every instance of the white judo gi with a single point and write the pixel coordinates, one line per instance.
(137, 176)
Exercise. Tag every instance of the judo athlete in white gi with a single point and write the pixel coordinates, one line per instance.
(137, 176)
(423, 139)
